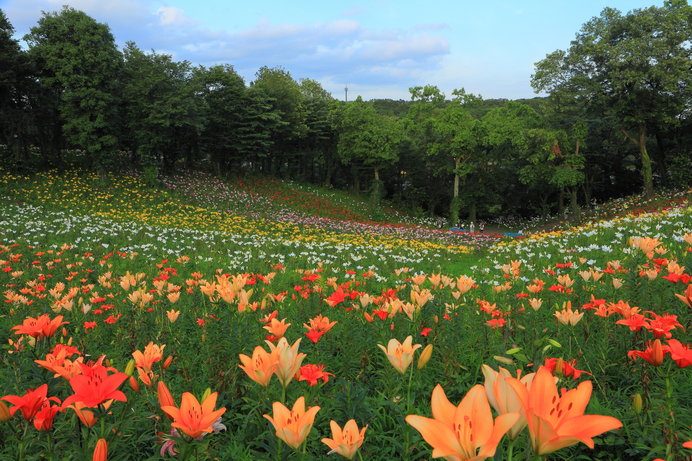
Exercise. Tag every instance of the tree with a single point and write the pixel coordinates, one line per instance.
(162, 107)
(287, 101)
(319, 142)
(368, 139)
(419, 167)
(507, 138)
(635, 68)
(79, 61)
(457, 138)
(223, 91)
(13, 86)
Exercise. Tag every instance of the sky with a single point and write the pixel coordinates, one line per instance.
(377, 48)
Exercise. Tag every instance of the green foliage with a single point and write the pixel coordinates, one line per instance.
(633, 67)
(162, 115)
(80, 62)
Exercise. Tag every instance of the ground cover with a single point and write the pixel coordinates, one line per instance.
(183, 294)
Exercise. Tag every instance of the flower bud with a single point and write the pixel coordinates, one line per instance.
(130, 368)
(559, 367)
(207, 393)
(164, 396)
(424, 357)
(505, 360)
(637, 403)
(657, 353)
(134, 384)
(4, 411)
(167, 362)
(101, 450)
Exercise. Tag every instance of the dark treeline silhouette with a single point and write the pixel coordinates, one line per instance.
(617, 120)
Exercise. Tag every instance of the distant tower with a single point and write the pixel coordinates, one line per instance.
(346, 92)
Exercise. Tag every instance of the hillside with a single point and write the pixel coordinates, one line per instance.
(205, 271)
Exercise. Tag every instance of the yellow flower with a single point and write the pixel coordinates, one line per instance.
(400, 355)
(345, 442)
(288, 359)
(292, 426)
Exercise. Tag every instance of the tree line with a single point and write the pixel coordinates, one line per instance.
(617, 119)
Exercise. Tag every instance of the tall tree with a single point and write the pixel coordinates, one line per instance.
(13, 86)
(319, 142)
(223, 91)
(161, 107)
(633, 67)
(367, 139)
(79, 61)
(456, 145)
(287, 101)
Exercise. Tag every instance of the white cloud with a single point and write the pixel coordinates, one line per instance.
(172, 16)
(341, 50)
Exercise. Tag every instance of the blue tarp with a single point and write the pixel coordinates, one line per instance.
(457, 229)
(513, 234)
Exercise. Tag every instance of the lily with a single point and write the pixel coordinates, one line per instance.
(558, 421)
(400, 355)
(465, 432)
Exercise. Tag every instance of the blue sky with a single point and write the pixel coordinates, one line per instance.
(379, 48)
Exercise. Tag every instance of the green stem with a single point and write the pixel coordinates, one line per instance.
(50, 446)
(407, 434)
(671, 415)
(21, 442)
(510, 450)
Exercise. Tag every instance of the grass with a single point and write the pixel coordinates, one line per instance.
(116, 260)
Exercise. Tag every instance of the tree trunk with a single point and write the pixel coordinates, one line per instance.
(574, 204)
(561, 202)
(376, 193)
(472, 212)
(457, 161)
(647, 174)
(661, 161)
(356, 181)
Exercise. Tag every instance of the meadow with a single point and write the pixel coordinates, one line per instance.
(254, 319)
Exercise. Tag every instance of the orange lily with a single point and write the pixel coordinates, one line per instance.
(465, 432)
(260, 367)
(192, 418)
(95, 386)
(556, 421)
(152, 353)
(172, 315)
(277, 327)
(345, 442)
(293, 426)
(40, 327)
(400, 355)
(30, 403)
(687, 296)
(319, 323)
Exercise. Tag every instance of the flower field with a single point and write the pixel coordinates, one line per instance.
(217, 320)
